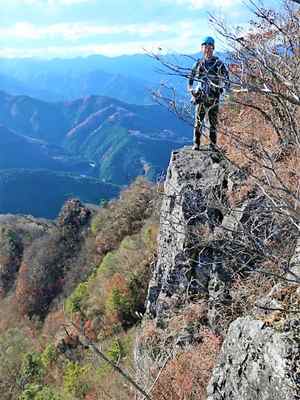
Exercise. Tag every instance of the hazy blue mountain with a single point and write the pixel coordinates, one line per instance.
(18, 151)
(56, 80)
(141, 66)
(64, 85)
(128, 78)
(59, 123)
(12, 85)
(92, 136)
(121, 140)
(31, 117)
(138, 66)
(126, 140)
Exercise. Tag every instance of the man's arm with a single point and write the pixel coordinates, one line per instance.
(192, 76)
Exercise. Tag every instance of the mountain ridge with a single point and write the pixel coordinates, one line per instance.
(94, 136)
(97, 129)
(129, 78)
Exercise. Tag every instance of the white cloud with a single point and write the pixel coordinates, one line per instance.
(198, 4)
(75, 31)
(184, 41)
(52, 3)
(40, 41)
(181, 44)
(68, 2)
(108, 49)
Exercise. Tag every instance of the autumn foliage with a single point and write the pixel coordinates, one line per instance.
(187, 374)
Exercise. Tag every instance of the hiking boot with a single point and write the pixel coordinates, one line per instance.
(196, 146)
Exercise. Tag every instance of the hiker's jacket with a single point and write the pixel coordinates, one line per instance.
(211, 76)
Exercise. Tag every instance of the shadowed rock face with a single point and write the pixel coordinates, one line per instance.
(194, 197)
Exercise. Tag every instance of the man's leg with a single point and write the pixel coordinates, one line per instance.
(213, 121)
(199, 117)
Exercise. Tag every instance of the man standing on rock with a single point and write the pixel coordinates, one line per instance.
(211, 75)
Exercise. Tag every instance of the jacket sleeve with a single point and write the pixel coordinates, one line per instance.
(193, 74)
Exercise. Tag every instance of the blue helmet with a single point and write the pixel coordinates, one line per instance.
(209, 40)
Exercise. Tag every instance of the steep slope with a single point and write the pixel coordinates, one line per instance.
(215, 325)
(24, 152)
(45, 268)
(16, 234)
(126, 141)
(32, 117)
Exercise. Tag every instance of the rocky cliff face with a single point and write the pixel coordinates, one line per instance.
(259, 358)
(258, 361)
(193, 207)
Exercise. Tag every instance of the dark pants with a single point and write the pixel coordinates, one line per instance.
(211, 108)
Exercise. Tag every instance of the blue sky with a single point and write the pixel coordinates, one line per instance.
(67, 28)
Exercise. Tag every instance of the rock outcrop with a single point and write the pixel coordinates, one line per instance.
(260, 354)
(193, 207)
(257, 362)
(260, 357)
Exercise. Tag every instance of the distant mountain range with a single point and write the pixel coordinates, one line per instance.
(95, 136)
(120, 140)
(69, 126)
(127, 78)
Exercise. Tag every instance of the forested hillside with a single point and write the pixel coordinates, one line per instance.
(92, 137)
(89, 266)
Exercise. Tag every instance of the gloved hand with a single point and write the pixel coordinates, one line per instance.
(193, 100)
(196, 95)
(193, 95)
